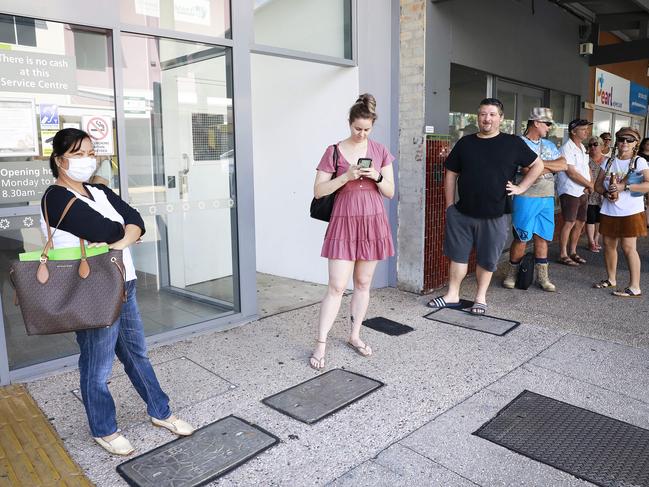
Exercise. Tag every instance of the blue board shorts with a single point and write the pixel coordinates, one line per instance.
(533, 216)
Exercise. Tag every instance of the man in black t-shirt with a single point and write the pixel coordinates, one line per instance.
(483, 165)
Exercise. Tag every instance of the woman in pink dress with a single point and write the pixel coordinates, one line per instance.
(358, 235)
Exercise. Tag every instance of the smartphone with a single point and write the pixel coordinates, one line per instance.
(364, 162)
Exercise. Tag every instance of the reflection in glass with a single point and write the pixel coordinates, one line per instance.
(179, 144)
(207, 17)
(322, 27)
(508, 100)
(564, 109)
(72, 80)
(468, 87)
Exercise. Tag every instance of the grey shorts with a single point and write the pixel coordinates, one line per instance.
(487, 235)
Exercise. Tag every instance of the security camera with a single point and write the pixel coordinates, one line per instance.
(585, 48)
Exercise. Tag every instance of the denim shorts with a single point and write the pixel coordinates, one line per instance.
(463, 232)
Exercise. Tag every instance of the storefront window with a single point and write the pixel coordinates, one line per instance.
(207, 17)
(180, 151)
(468, 87)
(43, 88)
(322, 27)
(564, 109)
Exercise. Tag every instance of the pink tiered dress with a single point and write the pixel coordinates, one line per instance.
(359, 228)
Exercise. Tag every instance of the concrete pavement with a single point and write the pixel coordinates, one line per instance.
(579, 345)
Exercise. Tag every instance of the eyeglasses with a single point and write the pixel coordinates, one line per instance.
(594, 144)
(628, 140)
(549, 124)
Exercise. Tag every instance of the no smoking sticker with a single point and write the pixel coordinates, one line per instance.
(100, 130)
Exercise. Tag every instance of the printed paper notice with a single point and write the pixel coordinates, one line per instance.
(100, 129)
(192, 11)
(18, 131)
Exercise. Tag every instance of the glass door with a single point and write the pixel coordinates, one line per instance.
(181, 178)
(518, 101)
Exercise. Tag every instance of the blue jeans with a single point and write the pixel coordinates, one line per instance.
(98, 348)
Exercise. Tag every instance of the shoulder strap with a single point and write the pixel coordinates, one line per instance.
(609, 162)
(335, 156)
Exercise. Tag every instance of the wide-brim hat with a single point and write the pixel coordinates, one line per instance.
(578, 122)
(628, 131)
(541, 114)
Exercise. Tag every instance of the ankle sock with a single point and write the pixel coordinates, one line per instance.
(540, 261)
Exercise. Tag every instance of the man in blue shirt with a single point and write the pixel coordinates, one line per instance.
(533, 210)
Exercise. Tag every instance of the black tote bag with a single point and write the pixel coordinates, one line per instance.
(321, 208)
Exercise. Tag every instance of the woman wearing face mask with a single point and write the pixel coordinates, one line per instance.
(99, 216)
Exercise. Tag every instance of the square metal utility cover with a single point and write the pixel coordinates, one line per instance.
(588, 445)
(465, 319)
(195, 460)
(387, 326)
(323, 395)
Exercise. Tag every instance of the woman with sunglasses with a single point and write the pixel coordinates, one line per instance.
(594, 147)
(622, 180)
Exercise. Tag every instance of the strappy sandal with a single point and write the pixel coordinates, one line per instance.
(364, 351)
(439, 303)
(567, 261)
(478, 309)
(627, 293)
(604, 283)
(319, 362)
(578, 259)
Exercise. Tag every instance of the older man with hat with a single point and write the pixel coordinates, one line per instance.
(533, 210)
(573, 186)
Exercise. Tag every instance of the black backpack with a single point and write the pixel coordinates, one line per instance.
(525, 275)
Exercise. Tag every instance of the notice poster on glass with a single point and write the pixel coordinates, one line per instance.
(18, 128)
(192, 11)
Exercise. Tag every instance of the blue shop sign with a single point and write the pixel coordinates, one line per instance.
(638, 99)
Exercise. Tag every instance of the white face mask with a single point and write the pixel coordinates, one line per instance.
(81, 168)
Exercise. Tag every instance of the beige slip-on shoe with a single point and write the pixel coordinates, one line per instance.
(116, 446)
(175, 425)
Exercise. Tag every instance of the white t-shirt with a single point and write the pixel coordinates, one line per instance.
(626, 204)
(576, 156)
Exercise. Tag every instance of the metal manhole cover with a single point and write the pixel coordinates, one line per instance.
(465, 319)
(588, 445)
(323, 395)
(194, 460)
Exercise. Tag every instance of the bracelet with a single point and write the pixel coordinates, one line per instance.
(380, 178)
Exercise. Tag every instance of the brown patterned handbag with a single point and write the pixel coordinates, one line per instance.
(59, 296)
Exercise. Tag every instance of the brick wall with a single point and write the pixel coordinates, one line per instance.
(412, 171)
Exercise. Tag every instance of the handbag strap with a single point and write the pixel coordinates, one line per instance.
(335, 160)
(42, 273)
(50, 235)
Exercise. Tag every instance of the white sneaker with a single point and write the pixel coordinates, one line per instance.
(175, 425)
(116, 446)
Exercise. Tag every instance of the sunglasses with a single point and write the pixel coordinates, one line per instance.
(606, 139)
(628, 140)
(594, 144)
(549, 124)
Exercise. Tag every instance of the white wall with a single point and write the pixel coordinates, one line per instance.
(298, 109)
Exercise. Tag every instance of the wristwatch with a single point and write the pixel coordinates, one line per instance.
(626, 187)
(380, 178)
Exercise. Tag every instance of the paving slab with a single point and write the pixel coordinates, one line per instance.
(620, 368)
(197, 384)
(401, 466)
(448, 440)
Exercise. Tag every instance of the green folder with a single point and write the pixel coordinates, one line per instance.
(65, 253)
